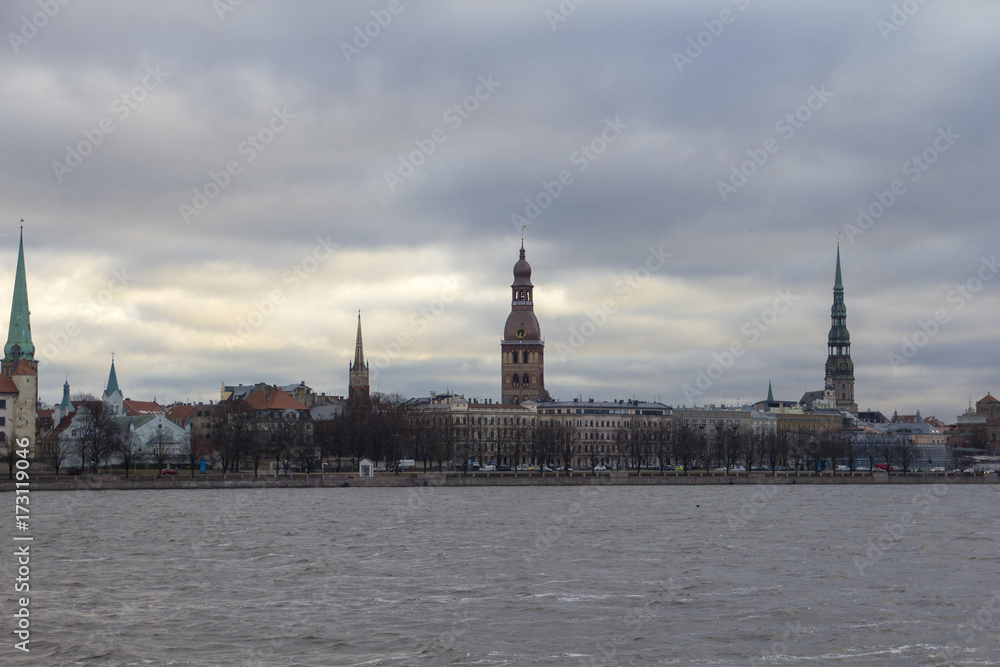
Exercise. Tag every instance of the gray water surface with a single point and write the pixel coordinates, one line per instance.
(771, 575)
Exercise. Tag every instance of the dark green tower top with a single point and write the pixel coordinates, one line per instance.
(839, 341)
(112, 381)
(20, 325)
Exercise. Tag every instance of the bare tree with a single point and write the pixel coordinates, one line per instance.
(231, 423)
(8, 453)
(162, 446)
(257, 447)
(565, 444)
(684, 446)
(193, 450)
(774, 450)
(97, 439)
(56, 452)
(127, 447)
(907, 452)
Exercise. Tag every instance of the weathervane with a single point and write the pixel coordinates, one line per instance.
(522, 235)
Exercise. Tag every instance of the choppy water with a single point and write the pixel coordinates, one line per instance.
(514, 576)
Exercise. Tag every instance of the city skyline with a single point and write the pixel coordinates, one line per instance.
(682, 174)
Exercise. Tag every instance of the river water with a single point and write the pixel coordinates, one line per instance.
(770, 575)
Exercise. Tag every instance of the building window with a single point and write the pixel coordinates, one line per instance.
(3, 403)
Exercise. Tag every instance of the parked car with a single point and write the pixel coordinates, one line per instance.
(599, 467)
(546, 469)
(489, 467)
(168, 471)
(503, 468)
(841, 468)
(937, 469)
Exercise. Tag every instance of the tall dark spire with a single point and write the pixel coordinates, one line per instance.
(839, 366)
(358, 389)
(19, 333)
(359, 348)
(840, 338)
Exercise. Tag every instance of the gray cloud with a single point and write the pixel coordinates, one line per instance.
(323, 174)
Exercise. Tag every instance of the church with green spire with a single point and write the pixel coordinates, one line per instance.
(19, 366)
(839, 371)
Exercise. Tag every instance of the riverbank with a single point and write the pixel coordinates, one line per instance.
(348, 480)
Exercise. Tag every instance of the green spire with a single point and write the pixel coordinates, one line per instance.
(112, 380)
(67, 405)
(20, 325)
(770, 394)
(838, 283)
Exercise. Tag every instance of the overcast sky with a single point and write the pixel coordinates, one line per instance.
(213, 191)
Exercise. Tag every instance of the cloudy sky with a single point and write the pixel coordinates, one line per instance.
(213, 190)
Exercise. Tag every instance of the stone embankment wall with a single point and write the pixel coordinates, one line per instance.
(120, 482)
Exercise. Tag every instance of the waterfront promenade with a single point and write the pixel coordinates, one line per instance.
(351, 480)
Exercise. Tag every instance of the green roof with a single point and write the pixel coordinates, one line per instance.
(112, 381)
(20, 324)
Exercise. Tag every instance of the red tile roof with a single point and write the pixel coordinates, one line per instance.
(988, 398)
(7, 385)
(273, 399)
(179, 412)
(135, 408)
(24, 368)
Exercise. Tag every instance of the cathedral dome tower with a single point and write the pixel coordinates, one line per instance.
(522, 349)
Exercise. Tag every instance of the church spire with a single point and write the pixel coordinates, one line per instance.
(358, 388)
(19, 333)
(839, 366)
(838, 282)
(359, 348)
(112, 379)
(770, 394)
(67, 405)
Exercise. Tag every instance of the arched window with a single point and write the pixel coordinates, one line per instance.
(526, 380)
(515, 379)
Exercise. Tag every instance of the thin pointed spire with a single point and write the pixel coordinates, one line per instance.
(359, 348)
(770, 394)
(20, 322)
(838, 283)
(358, 385)
(112, 379)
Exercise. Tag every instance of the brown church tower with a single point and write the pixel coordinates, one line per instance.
(522, 349)
(357, 387)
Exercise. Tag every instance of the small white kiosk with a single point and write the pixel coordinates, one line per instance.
(366, 469)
